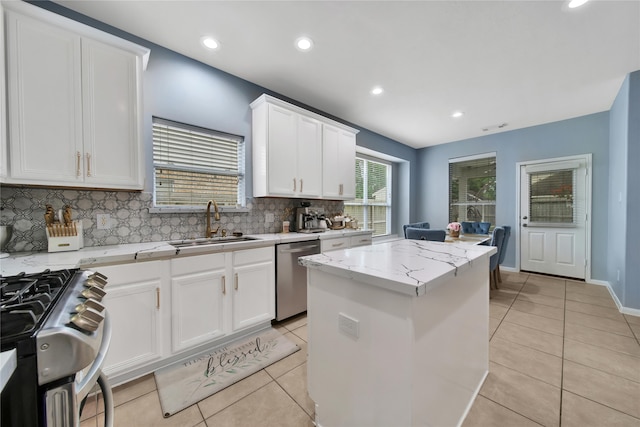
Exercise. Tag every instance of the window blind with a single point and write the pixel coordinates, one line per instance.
(193, 165)
(551, 196)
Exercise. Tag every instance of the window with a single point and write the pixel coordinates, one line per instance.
(472, 188)
(372, 205)
(193, 165)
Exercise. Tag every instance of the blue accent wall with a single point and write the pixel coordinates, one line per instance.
(587, 134)
(624, 200)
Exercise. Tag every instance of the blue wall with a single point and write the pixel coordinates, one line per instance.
(587, 134)
(624, 199)
(182, 89)
(618, 135)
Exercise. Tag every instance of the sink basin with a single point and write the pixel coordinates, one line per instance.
(211, 241)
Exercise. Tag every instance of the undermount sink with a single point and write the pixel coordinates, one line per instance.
(211, 241)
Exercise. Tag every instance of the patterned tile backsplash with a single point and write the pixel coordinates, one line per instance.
(131, 222)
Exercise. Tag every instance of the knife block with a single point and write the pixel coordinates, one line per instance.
(63, 238)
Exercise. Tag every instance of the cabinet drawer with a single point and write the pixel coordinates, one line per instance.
(335, 244)
(250, 256)
(362, 240)
(130, 273)
(197, 263)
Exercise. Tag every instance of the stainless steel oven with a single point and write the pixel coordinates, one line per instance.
(55, 322)
(291, 278)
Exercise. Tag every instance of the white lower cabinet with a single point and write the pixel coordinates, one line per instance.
(253, 287)
(215, 295)
(133, 300)
(197, 300)
(168, 309)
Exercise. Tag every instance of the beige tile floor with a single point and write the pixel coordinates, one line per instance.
(560, 354)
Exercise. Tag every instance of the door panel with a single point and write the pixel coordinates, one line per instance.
(553, 218)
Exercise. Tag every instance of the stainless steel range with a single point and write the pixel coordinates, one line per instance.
(61, 332)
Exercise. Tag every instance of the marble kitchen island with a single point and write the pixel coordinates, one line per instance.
(398, 333)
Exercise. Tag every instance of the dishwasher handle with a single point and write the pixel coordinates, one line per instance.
(298, 249)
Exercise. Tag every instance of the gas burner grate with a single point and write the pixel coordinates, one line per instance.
(26, 298)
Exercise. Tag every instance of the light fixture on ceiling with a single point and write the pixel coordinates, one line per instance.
(576, 3)
(457, 114)
(304, 44)
(210, 43)
(377, 90)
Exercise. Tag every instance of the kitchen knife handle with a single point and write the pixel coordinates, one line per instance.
(78, 157)
(224, 286)
(88, 164)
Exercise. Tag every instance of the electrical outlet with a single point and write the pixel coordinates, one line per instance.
(269, 217)
(348, 325)
(103, 221)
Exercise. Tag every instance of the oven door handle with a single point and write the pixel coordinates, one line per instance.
(89, 380)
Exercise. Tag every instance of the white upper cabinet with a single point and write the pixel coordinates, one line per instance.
(338, 163)
(74, 103)
(288, 156)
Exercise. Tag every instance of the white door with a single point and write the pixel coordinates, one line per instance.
(553, 217)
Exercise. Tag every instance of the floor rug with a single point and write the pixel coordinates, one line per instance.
(183, 384)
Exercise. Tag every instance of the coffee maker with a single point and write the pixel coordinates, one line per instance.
(310, 220)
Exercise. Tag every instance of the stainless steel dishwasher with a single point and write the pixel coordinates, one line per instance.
(291, 278)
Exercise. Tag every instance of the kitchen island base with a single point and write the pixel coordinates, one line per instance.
(383, 358)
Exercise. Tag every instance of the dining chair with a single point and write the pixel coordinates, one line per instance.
(475, 227)
(503, 250)
(424, 225)
(425, 234)
(497, 240)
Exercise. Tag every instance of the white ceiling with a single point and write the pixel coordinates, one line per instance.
(522, 63)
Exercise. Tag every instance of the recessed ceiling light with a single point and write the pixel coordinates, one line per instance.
(210, 43)
(457, 114)
(304, 43)
(576, 3)
(377, 90)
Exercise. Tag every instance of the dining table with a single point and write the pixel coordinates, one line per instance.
(471, 239)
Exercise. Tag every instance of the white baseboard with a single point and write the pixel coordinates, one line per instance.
(622, 309)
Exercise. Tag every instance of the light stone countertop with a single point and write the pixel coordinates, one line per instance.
(411, 267)
(33, 262)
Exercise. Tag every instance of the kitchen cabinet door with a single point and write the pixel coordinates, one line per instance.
(253, 287)
(45, 102)
(198, 290)
(361, 240)
(133, 301)
(309, 164)
(338, 163)
(282, 152)
(112, 137)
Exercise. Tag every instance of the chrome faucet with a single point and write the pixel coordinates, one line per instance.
(209, 232)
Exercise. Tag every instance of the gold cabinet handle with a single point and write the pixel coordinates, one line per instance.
(294, 184)
(235, 285)
(341, 189)
(224, 286)
(78, 158)
(301, 185)
(158, 298)
(335, 245)
(88, 164)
